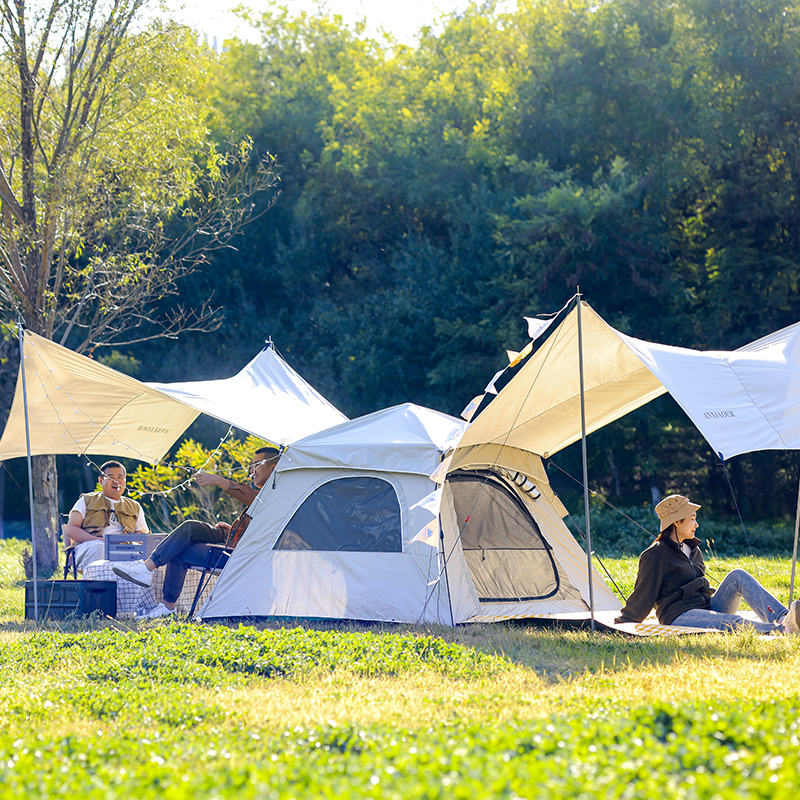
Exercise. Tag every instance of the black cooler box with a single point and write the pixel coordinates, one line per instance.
(59, 599)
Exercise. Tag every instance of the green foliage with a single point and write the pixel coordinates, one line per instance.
(207, 656)
(628, 531)
(12, 578)
(122, 363)
(434, 194)
(149, 735)
(168, 494)
(528, 150)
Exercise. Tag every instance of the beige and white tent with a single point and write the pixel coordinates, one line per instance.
(364, 521)
(65, 403)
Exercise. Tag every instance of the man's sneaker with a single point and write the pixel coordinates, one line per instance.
(159, 611)
(135, 572)
(791, 622)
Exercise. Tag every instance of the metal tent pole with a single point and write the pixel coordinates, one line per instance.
(21, 332)
(794, 552)
(585, 465)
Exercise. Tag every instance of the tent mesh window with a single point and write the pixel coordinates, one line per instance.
(507, 556)
(354, 514)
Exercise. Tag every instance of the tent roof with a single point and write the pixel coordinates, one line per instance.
(77, 405)
(741, 401)
(538, 405)
(405, 438)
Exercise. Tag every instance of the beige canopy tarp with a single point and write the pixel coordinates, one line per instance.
(77, 405)
(539, 410)
(741, 400)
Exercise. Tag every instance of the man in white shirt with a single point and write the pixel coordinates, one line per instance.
(98, 513)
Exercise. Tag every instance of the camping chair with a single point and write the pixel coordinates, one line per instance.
(218, 555)
(69, 551)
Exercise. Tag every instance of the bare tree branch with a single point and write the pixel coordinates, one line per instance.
(108, 221)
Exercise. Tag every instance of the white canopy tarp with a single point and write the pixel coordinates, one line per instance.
(741, 401)
(77, 405)
(267, 398)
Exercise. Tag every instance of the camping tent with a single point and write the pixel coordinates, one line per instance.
(77, 405)
(495, 546)
(741, 401)
(353, 526)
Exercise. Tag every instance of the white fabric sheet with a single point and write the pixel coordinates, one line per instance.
(741, 401)
(267, 398)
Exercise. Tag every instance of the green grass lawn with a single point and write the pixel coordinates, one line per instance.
(102, 708)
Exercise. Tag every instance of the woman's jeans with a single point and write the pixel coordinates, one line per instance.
(737, 585)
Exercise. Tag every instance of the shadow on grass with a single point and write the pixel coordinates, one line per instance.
(556, 651)
(70, 624)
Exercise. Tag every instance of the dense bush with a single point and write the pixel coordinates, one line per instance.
(628, 531)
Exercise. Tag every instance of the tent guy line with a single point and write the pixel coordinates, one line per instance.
(739, 514)
(583, 535)
(652, 535)
(600, 497)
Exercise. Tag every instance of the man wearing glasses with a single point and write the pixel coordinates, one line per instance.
(98, 513)
(188, 545)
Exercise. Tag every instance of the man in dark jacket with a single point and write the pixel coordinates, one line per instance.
(188, 545)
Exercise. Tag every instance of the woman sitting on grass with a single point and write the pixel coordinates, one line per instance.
(672, 577)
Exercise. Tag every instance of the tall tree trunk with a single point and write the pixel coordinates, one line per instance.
(45, 513)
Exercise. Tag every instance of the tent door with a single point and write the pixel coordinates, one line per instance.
(508, 558)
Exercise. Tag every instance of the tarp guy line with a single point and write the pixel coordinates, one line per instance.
(552, 340)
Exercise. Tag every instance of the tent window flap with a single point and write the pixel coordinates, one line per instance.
(508, 558)
(347, 514)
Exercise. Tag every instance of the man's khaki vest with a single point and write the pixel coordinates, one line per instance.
(99, 508)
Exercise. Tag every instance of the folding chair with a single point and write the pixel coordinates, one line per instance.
(69, 552)
(218, 555)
